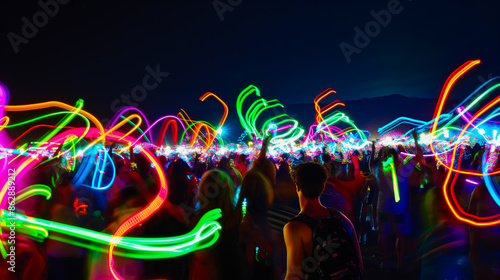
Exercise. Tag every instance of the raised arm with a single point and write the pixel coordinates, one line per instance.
(419, 155)
(354, 186)
(372, 158)
(265, 144)
(57, 153)
(110, 151)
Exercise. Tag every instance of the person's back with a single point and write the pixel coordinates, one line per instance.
(321, 243)
(220, 261)
(334, 252)
(393, 213)
(242, 165)
(257, 241)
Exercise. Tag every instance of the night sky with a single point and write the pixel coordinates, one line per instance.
(289, 49)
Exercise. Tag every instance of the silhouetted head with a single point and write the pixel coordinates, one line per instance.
(242, 158)
(310, 178)
(178, 181)
(217, 188)
(283, 170)
(257, 189)
(326, 158)
(266, 167)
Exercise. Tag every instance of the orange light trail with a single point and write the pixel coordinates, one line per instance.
(462, 216)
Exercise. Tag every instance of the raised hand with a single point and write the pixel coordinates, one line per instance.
(265, 144)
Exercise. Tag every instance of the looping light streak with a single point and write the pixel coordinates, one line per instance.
(164, 118)
(320, 111)
(4, 121)
(203, 235)
(125, 109)
(36, 189)
(57, 127)
(195, 127)
(167, 120)
(226, 110)
(43, 105)
(448, 189)
(281, 136)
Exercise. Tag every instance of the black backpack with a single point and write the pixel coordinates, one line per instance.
(335, 255)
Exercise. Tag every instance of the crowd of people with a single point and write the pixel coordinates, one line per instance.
(283, 217)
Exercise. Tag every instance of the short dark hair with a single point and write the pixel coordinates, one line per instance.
(310, 177)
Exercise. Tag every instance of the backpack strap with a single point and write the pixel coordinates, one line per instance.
(343, 219)
(313, 223)
(304, 219)
(334, 213)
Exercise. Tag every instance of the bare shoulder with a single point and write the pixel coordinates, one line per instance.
(296, 229)
(294, 226)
